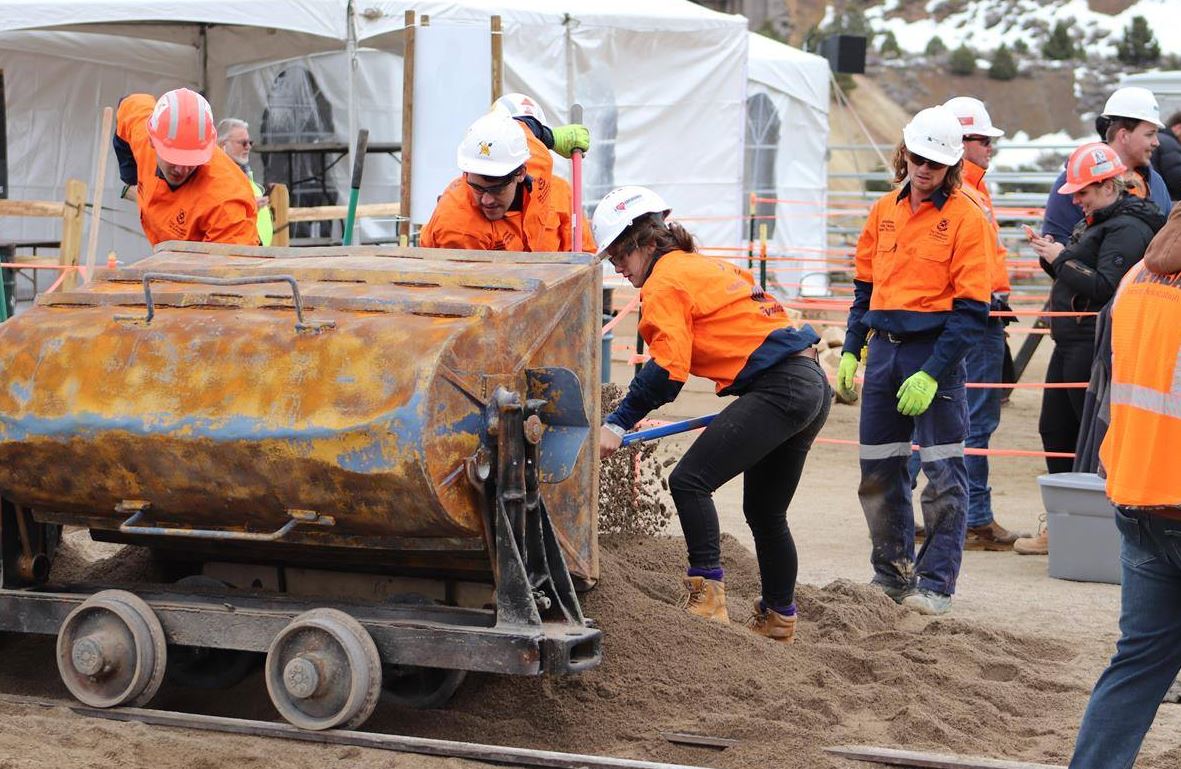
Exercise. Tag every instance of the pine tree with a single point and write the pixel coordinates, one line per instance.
(962, 61)
(1058, 45)
(1021, 48)
(936, 46)
(889, 48)
(1004, 66)
(1139, 46)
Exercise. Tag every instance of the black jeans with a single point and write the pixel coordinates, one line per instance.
(765, 434)
(1062, 409)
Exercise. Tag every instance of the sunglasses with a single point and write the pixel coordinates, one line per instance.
(491, 189)
(245, 142)
(920, 161)
(984, 140)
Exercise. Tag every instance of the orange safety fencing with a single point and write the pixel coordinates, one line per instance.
(64, 269)
(913, 447)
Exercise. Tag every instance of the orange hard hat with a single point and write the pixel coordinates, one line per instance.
(181, 128)
(1091, 164)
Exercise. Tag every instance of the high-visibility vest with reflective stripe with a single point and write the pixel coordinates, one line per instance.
(1144, 438)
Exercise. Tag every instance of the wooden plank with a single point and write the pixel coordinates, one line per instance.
(407, 123)
(47, 208)
(699, 740)
(419, 745)
(71, 248)
(910, 758)
(281, 207)
(320, 213)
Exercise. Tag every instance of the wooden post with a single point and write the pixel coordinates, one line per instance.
(497, 59)
(71, 245)
(407, 121)
(280, 208)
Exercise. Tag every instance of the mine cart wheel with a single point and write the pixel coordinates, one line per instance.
(418, 687)
(323, 671)
(200, 667)
(111, 650)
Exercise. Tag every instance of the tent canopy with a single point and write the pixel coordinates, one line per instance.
(664, 83)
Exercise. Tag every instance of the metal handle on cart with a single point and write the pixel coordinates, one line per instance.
(300, 324)
(139, 509)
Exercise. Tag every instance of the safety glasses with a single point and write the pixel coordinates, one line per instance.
(919, 161)
(983, 140)
(490, 189)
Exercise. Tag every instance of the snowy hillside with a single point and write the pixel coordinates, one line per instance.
(984, 24)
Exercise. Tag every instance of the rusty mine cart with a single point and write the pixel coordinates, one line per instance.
(376, 465)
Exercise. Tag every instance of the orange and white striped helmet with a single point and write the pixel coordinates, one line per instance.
(1091, 164)
(181, 128)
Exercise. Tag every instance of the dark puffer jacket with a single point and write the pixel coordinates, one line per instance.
(1166, 159)
(1088, 271)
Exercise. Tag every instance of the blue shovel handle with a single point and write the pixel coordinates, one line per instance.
(652, 433)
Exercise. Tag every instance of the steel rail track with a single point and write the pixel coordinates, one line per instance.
(495, 754)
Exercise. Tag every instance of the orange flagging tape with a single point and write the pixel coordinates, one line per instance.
(633, 359)
(913, 447)
(633, 304)
(834, 304)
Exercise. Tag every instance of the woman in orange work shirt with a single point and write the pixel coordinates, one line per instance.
(707, 317)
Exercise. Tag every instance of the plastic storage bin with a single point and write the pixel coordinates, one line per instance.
(1084, 543)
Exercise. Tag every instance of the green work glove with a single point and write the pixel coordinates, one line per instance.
(845, 373)
(916, 393)
(568, 138)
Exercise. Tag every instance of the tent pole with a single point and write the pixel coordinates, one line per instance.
(568, 22)
(203, 35)
(351, 57)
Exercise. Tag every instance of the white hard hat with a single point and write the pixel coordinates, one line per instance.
(935, 134)
(973, 117)
(519, 105)
(619, 208)
(494, 145)
(1134, 102)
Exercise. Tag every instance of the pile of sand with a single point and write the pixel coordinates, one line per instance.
(863, 671)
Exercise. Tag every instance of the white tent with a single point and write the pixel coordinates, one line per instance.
(663, 84)
(786, 145)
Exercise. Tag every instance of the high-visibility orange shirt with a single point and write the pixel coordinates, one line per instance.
(564, 202)
(923, 273)
(458, 222)
(704, 316)
(973, 183)
(1143, 440)
(214, 205)
(540, 166)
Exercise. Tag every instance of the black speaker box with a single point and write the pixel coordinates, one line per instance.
(845, 53)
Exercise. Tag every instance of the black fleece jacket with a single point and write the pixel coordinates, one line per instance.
(1101, 249)
(1166, 159)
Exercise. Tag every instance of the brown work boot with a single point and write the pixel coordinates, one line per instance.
(772, 624)
(706, 598)
(1039, 545)
(991, 536)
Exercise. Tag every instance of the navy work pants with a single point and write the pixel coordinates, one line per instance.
(885, 489)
